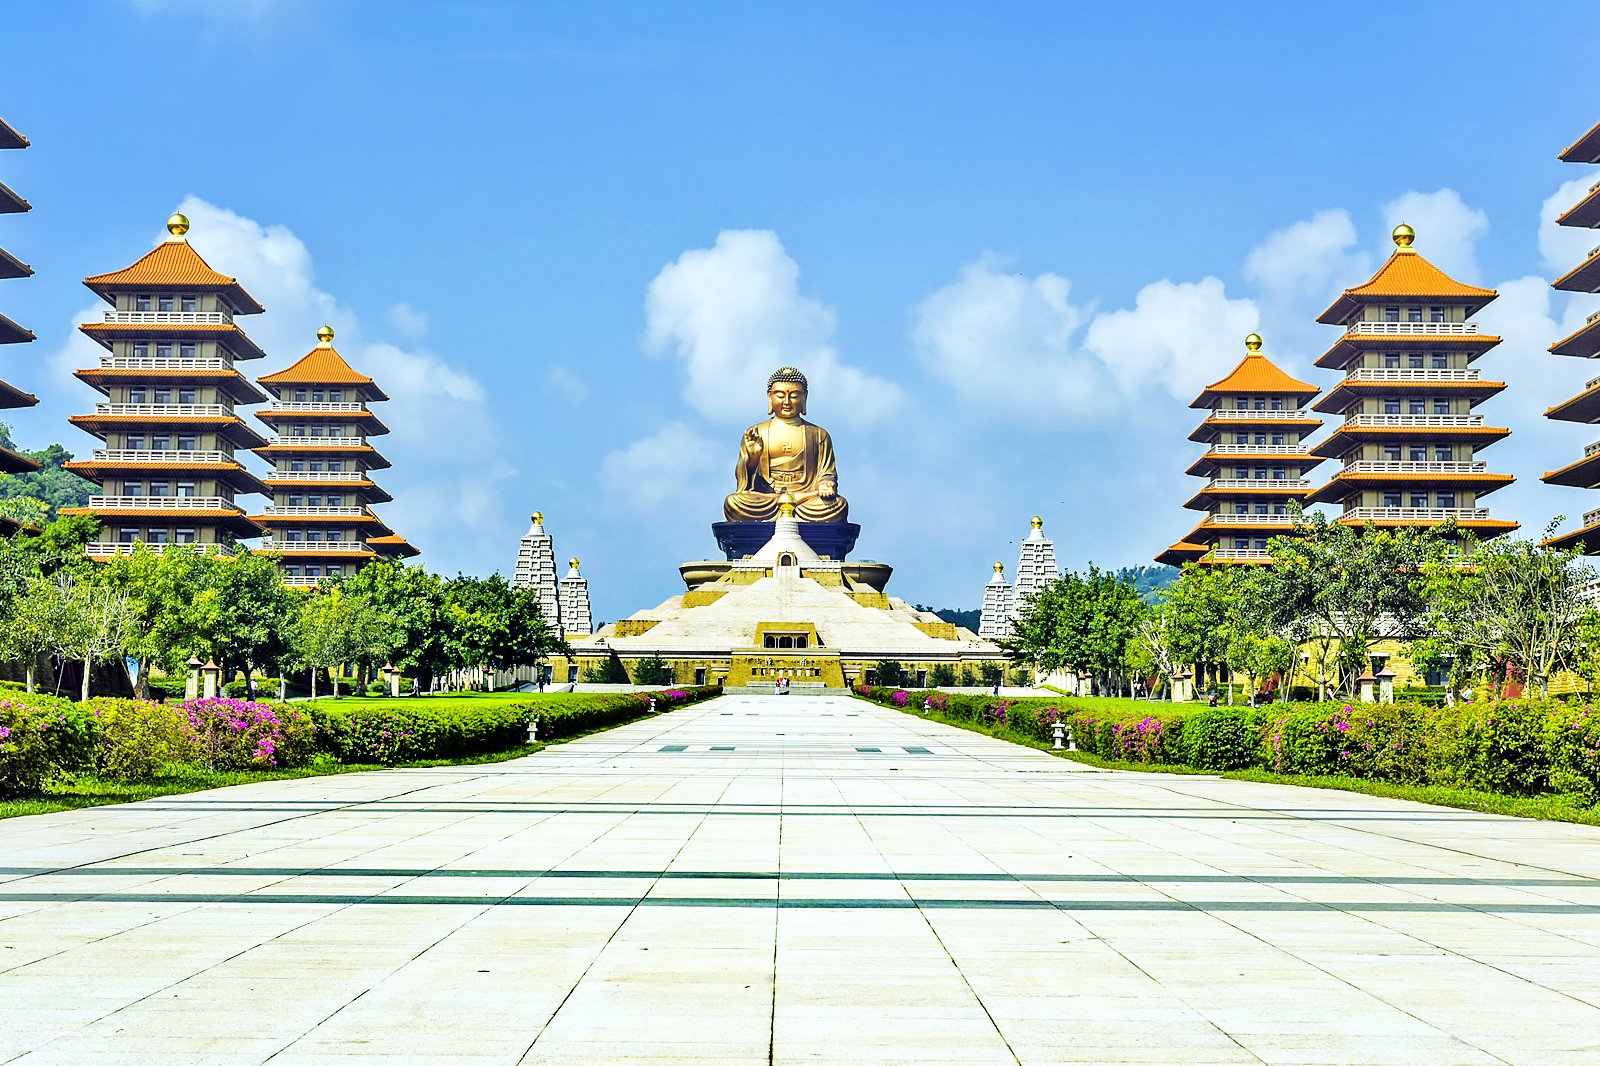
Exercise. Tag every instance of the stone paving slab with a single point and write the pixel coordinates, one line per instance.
(847, 884)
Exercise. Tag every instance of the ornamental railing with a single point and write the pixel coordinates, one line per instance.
(182, 410)
(1591, 449)
(318, 442)
(334, 547)
(120, 547)
(1413, 329)
(166, 455)
(164, 503)
(1591, 517)
(1414, 514)
(1453, 421)
(1397, 466)
(315, 475)
(1249, 519)
(163, 362)
(311, 407)
(1229, 414)
(1239, 553)
(1284, 483)
(1255, 449)
(1390, 373)
(1592, 318)
(169, 318)
(313, 512)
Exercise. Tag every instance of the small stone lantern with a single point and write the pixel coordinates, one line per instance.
(210, 673)
(191, 687)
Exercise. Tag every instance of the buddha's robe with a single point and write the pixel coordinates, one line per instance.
(795, 458)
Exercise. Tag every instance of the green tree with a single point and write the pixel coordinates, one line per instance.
(1338, 590)
(244, 614)
(97, 624)
(411, 603)
(1083, 622)
(889, 672)
(489, 623)
(332, 627)
(608, 671)
(35, 616)
(990, 674)
(653, 670)
(943, 675)
(161, 588)
(51, 485)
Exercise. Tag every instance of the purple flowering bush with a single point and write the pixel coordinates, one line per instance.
(242, 735)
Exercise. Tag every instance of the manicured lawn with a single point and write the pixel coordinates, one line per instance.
(450, 699)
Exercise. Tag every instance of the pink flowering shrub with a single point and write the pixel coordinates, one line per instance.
(240, 735)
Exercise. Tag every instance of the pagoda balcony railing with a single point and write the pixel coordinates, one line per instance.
(313, 406)
(1591, 517)
(1592, 318)
(164, 503)
(1255, 449)
(1413, 329)
(164, 362)
(1591, 449)
(1249, 520)
(169, 318)
(1239, 553)
(123, 547)
(1591, 383)
(331, 547)
(1588, 592)
(1414, 514)
(316, 475)
(1390, 373)
(304, 581)
(1287, 484)
(1378, 421)
(1399, 466)
(316, 512)
(181, 410)
(1229, 414)
(165, 455)
(318, 442)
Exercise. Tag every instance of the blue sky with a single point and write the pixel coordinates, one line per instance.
(1007, 241)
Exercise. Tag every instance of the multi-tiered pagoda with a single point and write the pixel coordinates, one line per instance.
(10, 332)
(168, 472)
(1410, 438)
(321, 522)
(1255, 461)
(1585, 343)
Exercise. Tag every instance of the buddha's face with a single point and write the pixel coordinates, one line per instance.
(787, 399)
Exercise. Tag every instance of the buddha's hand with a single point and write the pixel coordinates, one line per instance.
(827, 490)
(753, 447)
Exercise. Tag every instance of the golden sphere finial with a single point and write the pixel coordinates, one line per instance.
(999, 568)
(1404, 235)
(786, 504)
(325, 334)
(177, 224)
(573, 562)
(1037, 523)
(538, 518)
(1253, 342)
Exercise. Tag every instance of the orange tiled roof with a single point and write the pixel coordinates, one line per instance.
(322, 365)
(174, 263)
(1254, 374)
(1405, 275)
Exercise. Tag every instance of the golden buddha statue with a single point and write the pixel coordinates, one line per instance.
(786, 456)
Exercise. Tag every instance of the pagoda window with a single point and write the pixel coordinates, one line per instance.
(335, 431)
(187, 303)
(160, 442)
(316, 464)
(186, 442)
(313, 571)
(294, 535)
(296, 465)
(316, 431)
(141, 302)
(1277, 403)
(334, 534)
(1391, 314)
(299, 395)
(1261, 543)
(186, 395)
(127, 536)
(1443, 454)
(294, 500)
(1391, 499)
(1435, 314)
(163, 303)
(1413, 314)
(187, 350)
(316, 395)
(1417, 406)
(134, 442)
(1391, 451)
(162, 396)
(164, 349)
(141, 349)
(133, 488)
(335, 464)
(1261, 508)
(1277, 438)
(335, 501)
(1419, 499)
(186, 488)
(1241, 472)
(138, 395)
(292, 571)
(314, 534)
(1414, 361)
(183, 536)
(1241, 438)
(1441, 406)
(335, 395)
(1418, 453)
(1441, 361)
(313, 501)
(1277, 473)
(161, 488)
(1261, 403)
(1261, 473)
(1447, 499)
(158, 536)
(1261, 438)
(1391, 360)
(1241, 542)
(1391, 405)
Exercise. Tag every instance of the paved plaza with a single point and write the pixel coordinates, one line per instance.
(794, 880)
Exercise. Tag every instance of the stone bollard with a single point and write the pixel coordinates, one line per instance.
(1058, 732)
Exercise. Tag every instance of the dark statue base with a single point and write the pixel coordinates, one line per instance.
(836, 540)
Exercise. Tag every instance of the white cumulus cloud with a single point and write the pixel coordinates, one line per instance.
(674, 464)
(1564, 247)
(1308, 259)
(1174, 336)
(733, 313)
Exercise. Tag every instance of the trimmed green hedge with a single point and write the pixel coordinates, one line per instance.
(1517, 747)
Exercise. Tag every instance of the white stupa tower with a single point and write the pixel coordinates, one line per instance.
(576, 618)
(994, 623)
(1036, 566)
(536, 569)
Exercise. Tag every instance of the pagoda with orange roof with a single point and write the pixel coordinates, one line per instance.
(1585, 344)
(1409, 442)
(321, 522)
(10, 332)
(168, 472)
(1255, 461)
